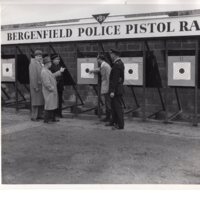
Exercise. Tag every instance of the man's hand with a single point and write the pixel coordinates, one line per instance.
(91, 71)
(112, 94)
(62, 69)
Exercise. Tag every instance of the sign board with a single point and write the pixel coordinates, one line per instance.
(84, 65)
(8, 70)
(181, 71)
(111, 29)
(133, 72)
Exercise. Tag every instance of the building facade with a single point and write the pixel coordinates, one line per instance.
(152, 36)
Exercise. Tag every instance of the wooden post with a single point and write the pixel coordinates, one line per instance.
(30, 52)
(16, 84)
(76, 86)
(195, 119)
(99, 96)
(144, 83)
(166, 86)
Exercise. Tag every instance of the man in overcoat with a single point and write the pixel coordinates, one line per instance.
(37, 99)
(116, 90)
(49, 89)
(60, 82)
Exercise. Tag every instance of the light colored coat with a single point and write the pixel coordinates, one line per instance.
(35, 68)
(49, 89)
(105, 70)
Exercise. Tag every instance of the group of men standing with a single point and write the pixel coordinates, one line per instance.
(46, 87)
(112, 79)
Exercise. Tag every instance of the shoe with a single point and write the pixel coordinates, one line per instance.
(40, 118)
(55, 120)
(110, 124)
(34, 120)
(117, 128)
(105, 120)
(46, 121)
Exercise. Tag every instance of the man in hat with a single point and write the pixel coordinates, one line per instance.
(104, 70)
(49, 89)
(116, 90)
(37, 99)
(60, 82)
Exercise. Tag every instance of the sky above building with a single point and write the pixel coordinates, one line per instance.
(17, 12)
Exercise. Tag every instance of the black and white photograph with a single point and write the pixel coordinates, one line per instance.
(100, 94)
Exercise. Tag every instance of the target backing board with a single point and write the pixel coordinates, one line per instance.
(181, 71)
(133, 72)
(8, 70)
(84, 65)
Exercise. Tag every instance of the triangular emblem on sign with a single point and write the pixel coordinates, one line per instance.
(101, 17)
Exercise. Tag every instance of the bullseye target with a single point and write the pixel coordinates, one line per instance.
(181, 71)
(133, 72)
(85, 70)
(84, 66)
(8, 70)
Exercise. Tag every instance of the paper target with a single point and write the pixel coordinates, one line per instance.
(85, 69)
(84, 65)
(133, 72)
(181, 71)
(8, 70)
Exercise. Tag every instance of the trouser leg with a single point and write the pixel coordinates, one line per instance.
(53, 115)
(40, 111)
(46, 116)
(107, 105)
(119, 111)
(34, 112)
(60, 101)
(113, 112)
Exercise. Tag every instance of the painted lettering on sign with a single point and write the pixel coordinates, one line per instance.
(166, 27)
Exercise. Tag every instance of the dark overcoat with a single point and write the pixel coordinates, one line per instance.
(117, 77)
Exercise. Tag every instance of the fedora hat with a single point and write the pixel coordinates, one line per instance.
(38, 53)
(55, 56)
(46, 59)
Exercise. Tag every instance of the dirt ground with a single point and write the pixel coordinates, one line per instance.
(83, 151)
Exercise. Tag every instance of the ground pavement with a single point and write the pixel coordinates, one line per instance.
(83, 151)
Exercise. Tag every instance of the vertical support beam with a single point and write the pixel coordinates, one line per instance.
(30, 52)
(134, 96)
(144, 83)
(161, 99)
(177, 98)
(76, 89)
(195, 119)
(99, 96)
(76, 107)
(16, 83)
(166, 86)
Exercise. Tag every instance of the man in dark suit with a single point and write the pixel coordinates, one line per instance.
(116, 90)
(60, 82)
